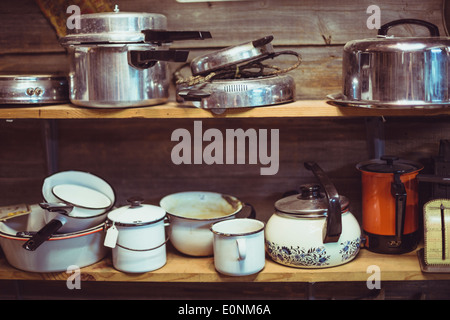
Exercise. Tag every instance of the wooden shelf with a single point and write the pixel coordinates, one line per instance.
(171, 110)
(181, 268)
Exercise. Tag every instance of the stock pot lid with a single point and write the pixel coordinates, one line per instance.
(136, 214)
(114, 27)
(389, 164)
(310, 202)
(397, 44)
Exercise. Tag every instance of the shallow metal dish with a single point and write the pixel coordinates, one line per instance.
(238, 93)
(340, 100)
(244, 52)
(33, 89)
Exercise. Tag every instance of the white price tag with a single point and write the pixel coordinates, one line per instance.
(111, 237)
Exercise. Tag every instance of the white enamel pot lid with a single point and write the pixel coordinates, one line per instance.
(85, 183)
(81, 196)
(136, 214)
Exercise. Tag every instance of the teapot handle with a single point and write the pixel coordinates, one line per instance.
(334, 214)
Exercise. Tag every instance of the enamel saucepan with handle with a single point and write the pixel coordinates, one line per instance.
(75, 201)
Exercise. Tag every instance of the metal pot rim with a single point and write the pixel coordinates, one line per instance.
(239, 206)
(59, 236)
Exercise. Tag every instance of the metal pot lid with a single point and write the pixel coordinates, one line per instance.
(113, 27)
(244, 52)
(81, 196)
(239, 93)
(33, 88)
(398, 44)
(385, 43)
(136, 214)
(311, 202)
(389, 164)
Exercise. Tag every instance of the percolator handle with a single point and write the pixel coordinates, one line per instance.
(398, 191)
(334, 213)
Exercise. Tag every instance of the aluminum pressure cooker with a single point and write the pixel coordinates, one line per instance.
(119, 59)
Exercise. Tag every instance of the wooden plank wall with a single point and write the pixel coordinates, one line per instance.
(134, 155)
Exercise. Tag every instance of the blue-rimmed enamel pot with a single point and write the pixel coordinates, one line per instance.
(314, 228)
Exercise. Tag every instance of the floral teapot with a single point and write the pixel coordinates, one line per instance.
(313, 229)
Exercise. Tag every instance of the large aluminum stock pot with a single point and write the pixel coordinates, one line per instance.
(119, 59)
(396, 72)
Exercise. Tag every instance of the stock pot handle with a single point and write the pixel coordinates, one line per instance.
(334, 213)
(434, 30)
(143, 59)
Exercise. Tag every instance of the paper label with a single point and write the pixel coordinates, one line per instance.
(111, 237)
(8, 212)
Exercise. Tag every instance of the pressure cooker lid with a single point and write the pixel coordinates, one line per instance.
(389, 164)
(310, 202)
(113, 27)
(136, 214)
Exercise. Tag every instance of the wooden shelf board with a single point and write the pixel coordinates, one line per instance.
(171, 110)
(181, 268)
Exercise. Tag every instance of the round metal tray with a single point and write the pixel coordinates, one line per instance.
(233, 55)
(340, 100)
(33, 89)
(220, 95)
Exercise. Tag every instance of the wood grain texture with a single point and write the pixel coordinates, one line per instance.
(183, 269)
(171, 110)
(294, 23)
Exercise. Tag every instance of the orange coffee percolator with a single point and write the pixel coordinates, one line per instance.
(390, 204)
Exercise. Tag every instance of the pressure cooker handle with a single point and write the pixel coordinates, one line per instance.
(334, 213)
(398, 191)
(143, 59)
(163, 36)
(434, 30)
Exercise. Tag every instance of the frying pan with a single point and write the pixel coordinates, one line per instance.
(75, 201)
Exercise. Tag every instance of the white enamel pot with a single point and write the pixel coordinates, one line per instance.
(313, 229)
(79, 249)
(74, 201)
(191, 215)
(139, 240)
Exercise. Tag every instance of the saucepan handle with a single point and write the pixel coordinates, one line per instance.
(43, 234)
(334, 213)
(193, 95)
(434, 30)
(252, 213)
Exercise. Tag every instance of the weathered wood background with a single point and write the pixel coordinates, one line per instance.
(134, 155)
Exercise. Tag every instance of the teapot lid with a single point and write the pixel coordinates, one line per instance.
(310, 202)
